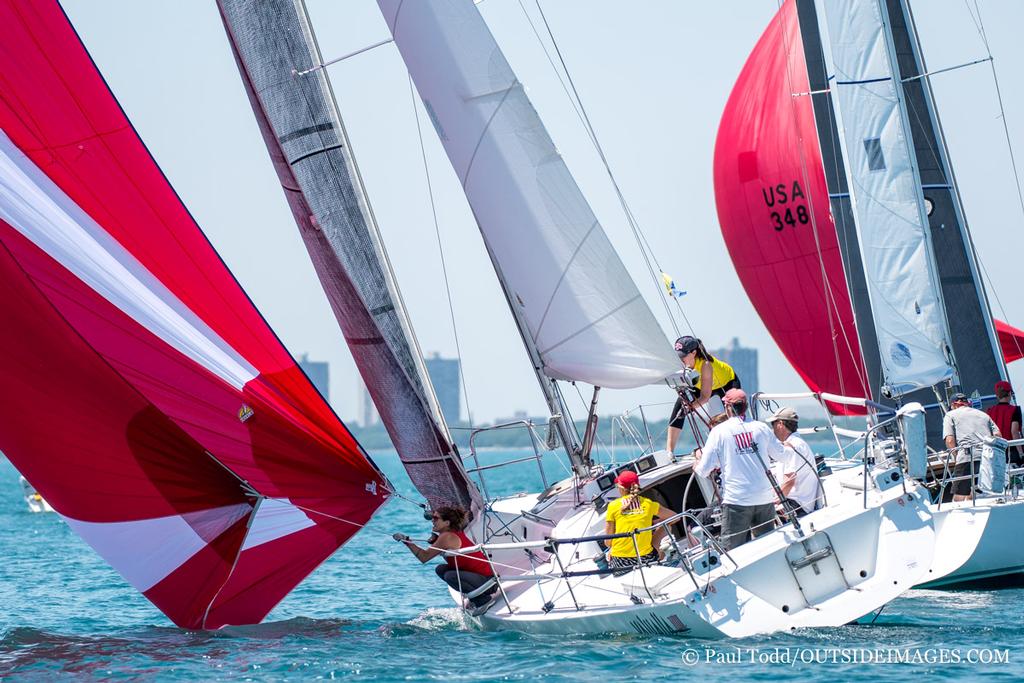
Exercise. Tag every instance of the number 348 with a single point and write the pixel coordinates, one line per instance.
(780, 221)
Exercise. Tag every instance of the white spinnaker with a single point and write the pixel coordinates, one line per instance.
(582, 311)
(885, 191)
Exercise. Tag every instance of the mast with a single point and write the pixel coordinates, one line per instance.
(276, 52)
(578, 311)
(975, 343)
(965, 311)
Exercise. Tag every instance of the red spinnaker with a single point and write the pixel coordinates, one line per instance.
(773, 208)
(774, 211)
(1011, 340)
(143, 394)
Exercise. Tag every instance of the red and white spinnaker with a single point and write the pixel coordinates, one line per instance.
(143, 394)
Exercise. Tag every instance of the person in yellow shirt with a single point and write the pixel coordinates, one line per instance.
(715, 377)
(626, 514)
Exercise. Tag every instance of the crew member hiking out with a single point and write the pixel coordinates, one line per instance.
(463, 571)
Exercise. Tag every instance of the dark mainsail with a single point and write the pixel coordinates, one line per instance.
(273, 42)
(978, 358)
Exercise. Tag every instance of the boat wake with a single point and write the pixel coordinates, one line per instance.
(437, 619)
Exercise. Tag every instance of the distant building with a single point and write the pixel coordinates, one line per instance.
(368, 415)
(444, 375)
(743, 360)
(318, 373)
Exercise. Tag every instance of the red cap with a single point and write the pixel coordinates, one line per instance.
(1003, 385)
(734, 396)
(627, 478)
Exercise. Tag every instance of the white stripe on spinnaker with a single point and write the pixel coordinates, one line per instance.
(34, 206)
(146, 551)
(275, 519)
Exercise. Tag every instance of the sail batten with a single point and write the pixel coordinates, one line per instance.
(579, 310)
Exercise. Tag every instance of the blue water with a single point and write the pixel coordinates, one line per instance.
(372, 612)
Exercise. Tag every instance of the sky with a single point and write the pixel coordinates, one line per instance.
(654, 76)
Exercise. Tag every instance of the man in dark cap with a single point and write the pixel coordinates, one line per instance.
(965, 430)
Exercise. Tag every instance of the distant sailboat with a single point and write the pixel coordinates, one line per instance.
(143, 394)
(779, 130)
(878, 287)
(34, 501)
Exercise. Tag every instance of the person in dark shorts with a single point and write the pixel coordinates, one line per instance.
(742, 451)
(715, 378)
(965, 430)
(627, 513)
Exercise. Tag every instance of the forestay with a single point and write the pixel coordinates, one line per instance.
(888, 204)
(577, 306)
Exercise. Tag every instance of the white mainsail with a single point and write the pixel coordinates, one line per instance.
(888, 204)
(578, 308)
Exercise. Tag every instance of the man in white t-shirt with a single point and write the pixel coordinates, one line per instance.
(742, 451)
(799, 474)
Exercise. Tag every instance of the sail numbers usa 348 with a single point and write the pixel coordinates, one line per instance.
(786, 204)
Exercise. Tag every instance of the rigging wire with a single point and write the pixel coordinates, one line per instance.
(650, 257)
(999, 96)
(440, 251)
(980, 26)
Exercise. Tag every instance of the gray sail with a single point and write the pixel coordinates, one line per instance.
(975, 345)
(972, 336)
(273, 41)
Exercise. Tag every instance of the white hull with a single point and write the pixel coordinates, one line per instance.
(34, 501)
(977, 541)
(876, 554)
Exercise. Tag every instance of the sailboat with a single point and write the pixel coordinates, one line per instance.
(581, 319)
(834, 185)
(34, 501)
(144, 396)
